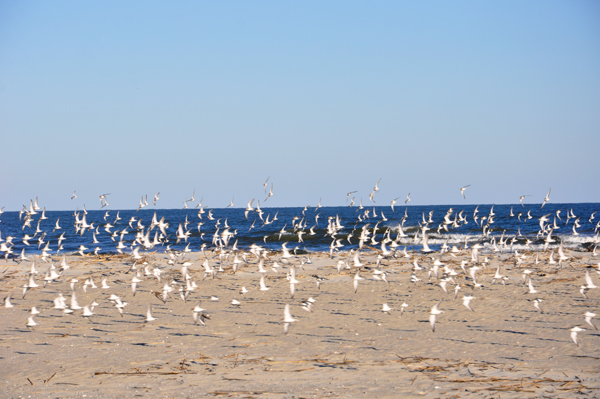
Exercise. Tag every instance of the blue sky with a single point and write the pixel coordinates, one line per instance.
(132, 98)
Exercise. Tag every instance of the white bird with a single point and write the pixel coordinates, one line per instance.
(402, 307)
(531, 289)
(74, 195)
(547, 198)
(433, 313)
(31, 323)
(536, 304)
(149, 314)
(263, 286)
(386, 308)
(467, 300)
(287, 318)
(199, 316)
(588, 319)
(87, 312)
(588, 280)
(356, 279)
(574, 332)
(235, 302)
(462, 190)
(7, 303)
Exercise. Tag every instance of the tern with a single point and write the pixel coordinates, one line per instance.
(199, 316)
(547, 198)
(433, 313)
(522, 197)
(462, 190)
(149, 314)
(574, 332)
(467, 300)
(356, 279)
(531, 289)
(393, 203)
(287, 319)
(263, 286)
(536, 304)
(31, 323)
(588, 319)
(402, 307)
(386, 308)
(588, 280)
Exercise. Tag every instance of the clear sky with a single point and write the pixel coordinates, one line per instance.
(131, 98)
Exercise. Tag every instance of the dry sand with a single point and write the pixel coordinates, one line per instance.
(345, 347)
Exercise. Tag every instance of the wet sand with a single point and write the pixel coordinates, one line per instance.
(345, 347)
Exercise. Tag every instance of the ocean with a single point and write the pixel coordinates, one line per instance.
(309, 229)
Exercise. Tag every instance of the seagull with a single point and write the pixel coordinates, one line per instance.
(287, 319)
(574, 332)
(462, 190)
(231, 203)
(547, 198)
(386, 308)
(434, 312)
(407, 199)
(74, 195)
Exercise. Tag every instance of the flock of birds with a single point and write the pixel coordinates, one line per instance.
(231, 258)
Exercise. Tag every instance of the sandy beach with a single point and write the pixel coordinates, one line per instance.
(346, 346)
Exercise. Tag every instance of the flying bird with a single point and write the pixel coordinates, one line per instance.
(547, 198)
(287, 319)
(462, 190)
(434, 312)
